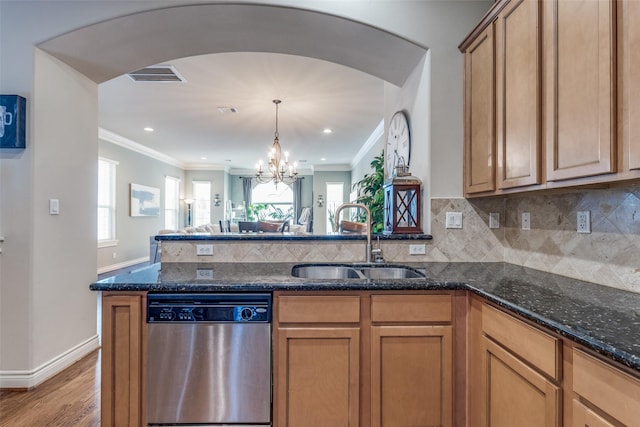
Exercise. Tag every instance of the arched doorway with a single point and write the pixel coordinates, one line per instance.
(114, 47)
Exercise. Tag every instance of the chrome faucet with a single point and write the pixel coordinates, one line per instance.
(361, 206)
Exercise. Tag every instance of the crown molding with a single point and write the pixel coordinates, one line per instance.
(121, 141)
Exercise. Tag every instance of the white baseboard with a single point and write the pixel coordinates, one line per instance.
(124, 264)
(30, 379)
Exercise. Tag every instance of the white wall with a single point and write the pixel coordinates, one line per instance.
(46, 258)
(64, 260)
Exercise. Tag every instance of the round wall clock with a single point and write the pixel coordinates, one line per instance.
(398, 148)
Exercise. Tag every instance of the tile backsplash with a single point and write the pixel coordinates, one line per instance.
(609, 255)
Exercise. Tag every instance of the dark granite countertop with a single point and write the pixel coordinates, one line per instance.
(603, 319)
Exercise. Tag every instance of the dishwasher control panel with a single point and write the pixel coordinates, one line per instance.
(211, 308)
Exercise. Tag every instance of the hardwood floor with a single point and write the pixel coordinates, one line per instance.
(71, 398)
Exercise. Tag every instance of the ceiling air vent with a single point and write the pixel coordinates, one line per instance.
(225, 110)
(161, 73)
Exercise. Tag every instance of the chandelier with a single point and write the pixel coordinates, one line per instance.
(278, 169)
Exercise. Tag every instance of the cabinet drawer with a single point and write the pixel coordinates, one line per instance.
(538, 348)
(610, 389)
(411, 308)
(319, 309)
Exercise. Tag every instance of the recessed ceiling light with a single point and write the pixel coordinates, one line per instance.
(323, 158)
(203, 158)
(327, 130)
(148, 129)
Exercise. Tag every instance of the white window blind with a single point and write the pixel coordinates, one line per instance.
(106, 200)
(202, 203)
(171, 202)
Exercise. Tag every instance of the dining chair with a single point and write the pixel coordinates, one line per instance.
(247, 226)
(225, 226)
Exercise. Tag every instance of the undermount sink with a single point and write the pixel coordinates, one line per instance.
(325, 272)
(391, 273)
(328, 271)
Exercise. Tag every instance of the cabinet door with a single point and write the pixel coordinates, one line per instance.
(579, 88)
(479, 90)
(318, 377)
(411, 376)
(515, 394)
(518, 94)
(607, 388)
(629, 39)
(585, 417)
(122, 355)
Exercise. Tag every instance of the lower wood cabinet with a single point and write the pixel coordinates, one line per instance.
(585, 417)
(363, 359)
(396, 359)
(319, 377)
(411, 376)
(612, 395)
(123, 355)
(517, 395)
(520, 372)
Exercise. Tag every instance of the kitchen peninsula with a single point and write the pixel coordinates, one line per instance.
(568, 348)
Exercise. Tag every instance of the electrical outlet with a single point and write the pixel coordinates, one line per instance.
(453, 220)
(204, 274)
(417, 249)
(584, 222)
(526, 220)
(494, 220)
(206, 250)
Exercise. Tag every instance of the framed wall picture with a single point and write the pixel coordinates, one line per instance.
(145, 201)
(13, 116)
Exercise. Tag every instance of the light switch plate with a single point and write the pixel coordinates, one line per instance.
(206, 250)
(526, 220)
(54, 207)
(494, 220)
(453, 220)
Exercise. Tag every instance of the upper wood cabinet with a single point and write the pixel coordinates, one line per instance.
(565, 106)
(579, 88)
(629, 85)
(479, 83)
(517, 33)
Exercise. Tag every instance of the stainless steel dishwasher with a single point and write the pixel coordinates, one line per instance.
(209, 359)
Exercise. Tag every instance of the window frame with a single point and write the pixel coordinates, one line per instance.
(175, 209)
(112, 206)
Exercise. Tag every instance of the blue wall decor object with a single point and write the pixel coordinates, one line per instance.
(13, 117)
